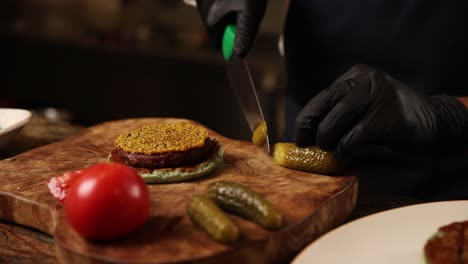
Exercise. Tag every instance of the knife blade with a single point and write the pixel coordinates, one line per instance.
(242, 84)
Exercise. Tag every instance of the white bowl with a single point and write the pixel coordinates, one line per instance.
(12, 120)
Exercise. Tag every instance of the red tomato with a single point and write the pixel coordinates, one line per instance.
(109, 200)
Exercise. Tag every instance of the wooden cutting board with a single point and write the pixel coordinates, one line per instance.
(311, 204)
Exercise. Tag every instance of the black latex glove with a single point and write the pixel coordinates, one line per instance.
(366, 108)
(245, 14)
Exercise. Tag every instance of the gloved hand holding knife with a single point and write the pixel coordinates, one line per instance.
(232, 25)
(246, 15)
(351, 113)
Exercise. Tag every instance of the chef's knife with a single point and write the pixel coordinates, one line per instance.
(242, 84)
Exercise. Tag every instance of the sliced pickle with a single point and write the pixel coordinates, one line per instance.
(260, 134)
(309, 159)
(207, 215)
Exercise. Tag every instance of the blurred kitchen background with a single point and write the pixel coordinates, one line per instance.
(90, 61)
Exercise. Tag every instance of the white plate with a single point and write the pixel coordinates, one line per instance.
(12, 120)
(393, 236)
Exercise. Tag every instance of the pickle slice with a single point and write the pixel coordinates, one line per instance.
(309, 159)
(245, 202)
(207, 215)
(260, 134)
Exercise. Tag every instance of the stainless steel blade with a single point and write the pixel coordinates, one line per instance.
(244, 89)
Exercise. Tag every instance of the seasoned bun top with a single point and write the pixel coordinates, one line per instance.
(162, 138)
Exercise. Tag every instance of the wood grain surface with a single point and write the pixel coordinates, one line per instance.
(311, 204)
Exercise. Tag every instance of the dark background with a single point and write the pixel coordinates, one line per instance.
(94, 61)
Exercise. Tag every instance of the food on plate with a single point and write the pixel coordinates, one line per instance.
(260, 134)
(241, 200)
(447, 245)
(206, 214)
(107, 201)
(171, 152)
(310, 159)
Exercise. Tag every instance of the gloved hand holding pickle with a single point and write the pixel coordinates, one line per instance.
(367, 108)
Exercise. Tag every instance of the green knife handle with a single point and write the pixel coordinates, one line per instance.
(228, 41)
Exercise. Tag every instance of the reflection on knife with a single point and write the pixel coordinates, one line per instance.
(242, 84)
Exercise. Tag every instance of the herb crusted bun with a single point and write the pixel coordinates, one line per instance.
(171, 152)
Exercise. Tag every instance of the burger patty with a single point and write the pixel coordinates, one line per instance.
(169, 159)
